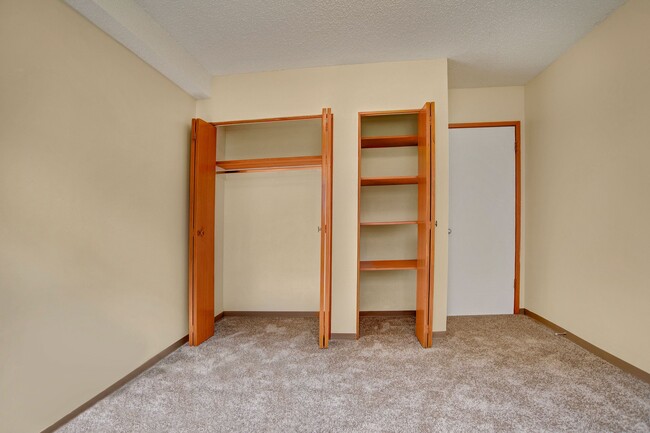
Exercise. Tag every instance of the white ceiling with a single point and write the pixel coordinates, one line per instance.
(488, 42)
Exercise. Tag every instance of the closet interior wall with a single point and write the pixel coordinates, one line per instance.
(267, 239)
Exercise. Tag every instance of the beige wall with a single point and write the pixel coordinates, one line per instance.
(496, 104)
(267, 238)
(486, 104)
(588, 183)
(347, 90)
(93, 212)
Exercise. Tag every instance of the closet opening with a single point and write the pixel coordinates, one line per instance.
(396, 208)
(267, 219)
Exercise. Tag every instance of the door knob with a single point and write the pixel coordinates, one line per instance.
(448, 231)
(200, 233)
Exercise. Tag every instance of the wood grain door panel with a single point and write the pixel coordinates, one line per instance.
(201, 231)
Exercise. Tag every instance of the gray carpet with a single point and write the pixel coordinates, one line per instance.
(494, 373)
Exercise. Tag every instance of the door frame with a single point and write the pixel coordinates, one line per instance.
(517, 125)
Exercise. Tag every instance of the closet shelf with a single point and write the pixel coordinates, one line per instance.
(268, 164)
(388, 265)
(389, 141)
(387, 223)
(389, 180)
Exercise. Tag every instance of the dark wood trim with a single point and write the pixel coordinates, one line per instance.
(387, 313)
(360, 115)
(513, 123)
(618, 362)
(517, 216)
(268, 119)
(218, 317)
(343, 336)
(117, 385)
(270, 313)
(517, 125)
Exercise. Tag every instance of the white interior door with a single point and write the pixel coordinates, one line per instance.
(481, 220)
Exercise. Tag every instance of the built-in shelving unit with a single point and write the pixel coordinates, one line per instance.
(395, 197)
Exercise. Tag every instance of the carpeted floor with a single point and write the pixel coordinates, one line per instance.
(493, 373)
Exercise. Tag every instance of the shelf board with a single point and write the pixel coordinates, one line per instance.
(388, 265)
(389, 141)
(389, 180)
(268, 164)
(387, 223)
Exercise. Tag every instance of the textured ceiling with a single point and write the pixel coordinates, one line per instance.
(488, 42)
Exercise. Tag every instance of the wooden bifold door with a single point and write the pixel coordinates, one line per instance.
(203, 169)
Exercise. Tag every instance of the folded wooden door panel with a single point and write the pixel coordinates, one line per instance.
(424, 292)
(325, 315)
(201, 231)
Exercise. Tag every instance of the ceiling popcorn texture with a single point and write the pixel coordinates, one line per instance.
(488, 42)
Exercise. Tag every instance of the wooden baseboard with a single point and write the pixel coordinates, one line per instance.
(270, 313)
(117, 385)
(343, 336)
(123, 381)
(387, 313)
(618, 362)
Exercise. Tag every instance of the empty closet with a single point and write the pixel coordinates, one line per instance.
(396, 211)
(249, 255)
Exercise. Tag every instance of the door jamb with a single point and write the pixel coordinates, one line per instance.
(517, 125)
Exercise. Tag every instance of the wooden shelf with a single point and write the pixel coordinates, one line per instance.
(389, 180)
(268, 164)
(387, 223)
(389, 141)
(388, 265)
